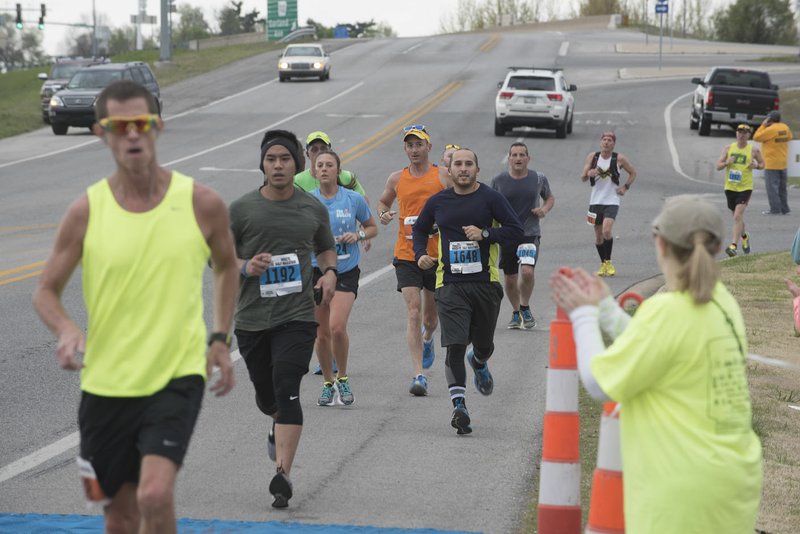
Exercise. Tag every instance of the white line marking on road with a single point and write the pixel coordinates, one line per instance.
(407, 50)
(40, 156)
(772, 362)
(264, 129)
(676, 163)
(354, 115)
(37, 458)
(599, 112)
(562, 51)
(218, 169)
(221, 100)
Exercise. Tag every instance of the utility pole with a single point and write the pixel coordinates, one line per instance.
(94, 30)
(166, 44)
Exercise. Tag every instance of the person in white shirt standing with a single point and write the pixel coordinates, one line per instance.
(601, 170)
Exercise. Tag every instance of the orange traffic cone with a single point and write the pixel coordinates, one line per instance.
(560, 476)
(606, 507)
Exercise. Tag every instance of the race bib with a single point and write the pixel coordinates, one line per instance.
(342, 251)
(526, 253)
(735, 177)
(282, 277)
(465, 257)
(408, 226)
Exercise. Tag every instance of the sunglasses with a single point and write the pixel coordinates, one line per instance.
(420, 127)
(123, 125)
(454, 147)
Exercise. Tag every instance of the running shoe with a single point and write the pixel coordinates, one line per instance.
(528, 320)
(428, 354)
(271, 452)
(602, 270)
(345, 393)
(419, 386)
(281, 489)
(484, 382)
(326, 398)
(460, 420)
(731, 250)
(746, 243)
(516, 321)
(610, 270)
(318, 370)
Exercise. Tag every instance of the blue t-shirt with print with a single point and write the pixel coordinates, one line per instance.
(345, 210)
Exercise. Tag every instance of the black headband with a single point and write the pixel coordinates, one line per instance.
(286, 142)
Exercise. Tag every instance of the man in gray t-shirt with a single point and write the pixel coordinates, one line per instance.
(275, 230)
(523, 188)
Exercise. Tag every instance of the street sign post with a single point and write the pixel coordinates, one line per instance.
(662, 7)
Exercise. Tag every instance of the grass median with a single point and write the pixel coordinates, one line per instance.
(20, 107)
(757, 283)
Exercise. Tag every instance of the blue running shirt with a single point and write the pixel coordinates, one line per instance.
(346, 209)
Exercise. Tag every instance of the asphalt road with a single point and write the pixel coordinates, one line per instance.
(390, 460)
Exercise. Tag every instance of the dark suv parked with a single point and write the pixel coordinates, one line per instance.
(74, 105)
(60, 73)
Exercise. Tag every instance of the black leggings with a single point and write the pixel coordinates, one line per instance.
(280, 397)
(455, 369)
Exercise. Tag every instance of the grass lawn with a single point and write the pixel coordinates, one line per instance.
(20, 109)
(757, 283)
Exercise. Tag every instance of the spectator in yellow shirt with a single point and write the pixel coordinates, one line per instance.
(774, 137)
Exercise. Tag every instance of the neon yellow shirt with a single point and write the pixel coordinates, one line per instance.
(691, 461)
(143, 289)
(306, 181)
(739, 175)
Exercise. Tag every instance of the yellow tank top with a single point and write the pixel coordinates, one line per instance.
(412, 194)
(739, 175)
(143, 289)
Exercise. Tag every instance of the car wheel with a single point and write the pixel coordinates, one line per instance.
(499, 129)
(705, 124)
(693, 123)
(561, 130)
(59, 129)
(569, 124)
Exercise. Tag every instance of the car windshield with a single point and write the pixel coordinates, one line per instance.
(65, 71)
(91, 79)
(303, 51)
(743, 78)
(532, 83)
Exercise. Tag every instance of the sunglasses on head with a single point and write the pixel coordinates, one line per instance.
(124, 125)
(420, 127)
(454, 147)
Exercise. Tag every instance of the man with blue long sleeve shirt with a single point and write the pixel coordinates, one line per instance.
(473, 220)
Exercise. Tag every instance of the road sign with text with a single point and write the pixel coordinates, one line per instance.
(281, 18)
(662, 8)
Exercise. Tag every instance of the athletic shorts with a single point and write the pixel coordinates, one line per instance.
(409, 274)
(604, 210)
(737, 197)
(468, 312)
(509, 261)
(116, 432)
(346, 282)
(291, 343)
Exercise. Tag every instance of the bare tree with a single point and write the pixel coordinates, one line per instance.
(470, 15)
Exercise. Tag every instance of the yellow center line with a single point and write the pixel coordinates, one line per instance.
(21, 268)
(18, 278)
(12, 229)
(490, 43)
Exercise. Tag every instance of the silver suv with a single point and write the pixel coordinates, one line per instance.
(539, 98)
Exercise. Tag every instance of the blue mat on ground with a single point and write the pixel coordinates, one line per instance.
(68, 524)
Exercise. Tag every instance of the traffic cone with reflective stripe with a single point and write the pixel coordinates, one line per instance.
(606, 514)
(560, 476)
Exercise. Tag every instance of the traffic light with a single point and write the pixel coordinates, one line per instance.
(41, 17)
(19, 16)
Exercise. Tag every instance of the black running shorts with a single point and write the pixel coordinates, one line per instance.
(468, 312)
(346, 282)
(604, 211)
(116, 432)
(409, 274)
(737, 197)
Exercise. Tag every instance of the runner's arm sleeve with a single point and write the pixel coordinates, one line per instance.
(613, 319)
(588, 343)
(510, 232)
(797, 316)
(421, 228)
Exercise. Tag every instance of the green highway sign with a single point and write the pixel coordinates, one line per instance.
(281, 18)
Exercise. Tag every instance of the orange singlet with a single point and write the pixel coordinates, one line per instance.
(412, 193)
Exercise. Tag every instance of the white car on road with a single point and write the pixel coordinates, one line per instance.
(304, 61)
(540, 98)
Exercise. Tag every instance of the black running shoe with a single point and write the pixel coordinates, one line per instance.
(461, 420)
(281, 489)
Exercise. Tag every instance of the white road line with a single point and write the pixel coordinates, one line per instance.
(264, 129)
(599, 112)
(407, 50)
(48, 154)
(562, 51)
(37, 458)
(772, 362)
(219, 169)
(676, 163)
(221, 100)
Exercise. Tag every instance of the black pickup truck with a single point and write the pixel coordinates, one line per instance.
(731, 96)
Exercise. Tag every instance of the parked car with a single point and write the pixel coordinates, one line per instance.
(60, 73)
(731, 96)
(304, 61)
(74, 105)
(535, 97)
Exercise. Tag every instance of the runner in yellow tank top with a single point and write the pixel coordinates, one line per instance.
(739, 159)
(412, 187)
(143, 237)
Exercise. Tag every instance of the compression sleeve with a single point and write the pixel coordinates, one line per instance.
(588, 343)
(613, 319)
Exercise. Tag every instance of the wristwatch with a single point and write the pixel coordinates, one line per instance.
(362, 235)
(485, 233)
(335, 271)
(225, 337)
(626, 186)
